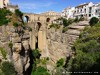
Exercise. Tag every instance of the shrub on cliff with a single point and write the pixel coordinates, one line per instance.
(7, 68)
(3, 16)
(93, 21)
(18, 13)
(40, 71)
(87, 49)
(15, 24)
(60, 62)
(3, 52)
(56, 26)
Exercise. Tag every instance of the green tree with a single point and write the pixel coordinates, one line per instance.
(87, 50)
(60, 62)
(15, 24)
(3, 16)
(65, 22)
(18, 13)
(93, 21)
(40, 71)
(8, 68)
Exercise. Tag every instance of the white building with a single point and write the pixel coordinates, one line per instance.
(68, 12)
(4, 3)
(84, 10)
(96, 10)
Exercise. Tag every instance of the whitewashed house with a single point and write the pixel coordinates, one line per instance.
(96, 10)
(68, 12)
(84, 10)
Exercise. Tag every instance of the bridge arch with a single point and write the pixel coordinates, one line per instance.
(26, 18)
(48, 19)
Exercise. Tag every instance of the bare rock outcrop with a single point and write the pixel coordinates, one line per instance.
(17, 48)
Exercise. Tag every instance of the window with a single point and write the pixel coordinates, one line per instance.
(85, 10)
(89, 15)
(90, 9)
(96, 11)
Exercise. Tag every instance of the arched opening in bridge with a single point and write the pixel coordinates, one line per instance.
(26, 19)
(39, 25)
(48, 20)
(38, 35)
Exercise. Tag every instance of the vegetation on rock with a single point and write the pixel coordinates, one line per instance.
(87, 49)
(3, 52)
(7, 68)
(56, 26)
(93, 21)
(3, 16)
(39, 65)
(60, 62)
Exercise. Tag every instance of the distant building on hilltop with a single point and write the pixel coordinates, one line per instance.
(6, 4)
(51, 13)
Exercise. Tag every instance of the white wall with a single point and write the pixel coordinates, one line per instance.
(1, 3)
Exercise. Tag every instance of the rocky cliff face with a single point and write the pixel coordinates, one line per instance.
(17, 47)
(59, 44)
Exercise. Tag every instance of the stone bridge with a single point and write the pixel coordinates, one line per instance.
(39, 24)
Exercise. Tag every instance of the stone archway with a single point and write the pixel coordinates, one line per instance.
(26, 19)
(48, 20)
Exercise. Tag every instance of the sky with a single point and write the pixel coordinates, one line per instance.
(39, 6)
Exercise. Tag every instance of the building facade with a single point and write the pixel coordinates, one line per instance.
(96, 10)
(68, 12)
(4, 3)
(85, 10)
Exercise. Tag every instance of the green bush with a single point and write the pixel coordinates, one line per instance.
(3, 52)
(8, 68)
(65, 22)
(93, 21)
(36, 54)
(82, 62)
(60, 62)
(56, 26)
(18, 13)
(10, 45)
(40, 71)
(15, 24)
(90, 46)
(3, 16)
